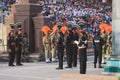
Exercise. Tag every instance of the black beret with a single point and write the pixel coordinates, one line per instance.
(12, 26)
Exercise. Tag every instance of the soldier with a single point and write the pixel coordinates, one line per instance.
(46, 43)
(25, 52)
(54, 47)
(104, 47)
(11, 48)
(98, 42)
(75, 50)
(19, 45)
(109, 46)
(54, 39)
(60, 47)
(82, 46)
(69, 46)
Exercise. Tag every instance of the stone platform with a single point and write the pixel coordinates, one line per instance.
(47, 71)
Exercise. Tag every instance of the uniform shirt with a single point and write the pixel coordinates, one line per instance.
(70, 38)
(19, 41)
(83, 42)
(60, 42)
(11, 40)
(98, 42)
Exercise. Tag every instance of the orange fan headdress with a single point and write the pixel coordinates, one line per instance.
(108, 29)
(45, 29)
(55, 27)
(103, 26)
(63, 29)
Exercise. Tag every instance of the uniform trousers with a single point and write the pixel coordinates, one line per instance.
(60, 56)
(98, 54)
(18, 55)
(69, 52)
(75, 52)
(82, 60)
(12, 56)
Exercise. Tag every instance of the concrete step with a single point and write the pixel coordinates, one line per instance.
(89, 77)
(32, 57)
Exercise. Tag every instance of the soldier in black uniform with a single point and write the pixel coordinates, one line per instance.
(75, 48)
(82, 46)
(11, 48)
(60, 48)
(19, 44)
(98, 42)
(69, 47)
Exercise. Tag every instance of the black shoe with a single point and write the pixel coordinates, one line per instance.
(19, 64)
(59, 68)
(104, 63)
(94, 66)
(74, 66)
(12, 65)
(100, 67)
(68, 67)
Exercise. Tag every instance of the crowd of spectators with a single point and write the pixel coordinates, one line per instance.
(86, 14)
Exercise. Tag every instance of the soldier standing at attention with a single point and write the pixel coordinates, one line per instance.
(75, 50)
(69, 46)
(11, 48)
(60, 47)
(98, 42)
(19, 45)
(46, 43)
(104, 47)
(82, 46)
(54, 39)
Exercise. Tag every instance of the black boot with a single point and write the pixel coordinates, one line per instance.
(94, 65)
(100, 66)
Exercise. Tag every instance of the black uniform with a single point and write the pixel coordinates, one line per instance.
(11, 46)
(75, 50)
(69, 49)
(60, 47)
(82, 54)
(98, 42)
(19, 43)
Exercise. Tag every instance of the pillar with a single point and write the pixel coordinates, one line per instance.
(38, 24)
(113, 65)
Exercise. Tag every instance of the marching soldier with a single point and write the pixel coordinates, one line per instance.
(19, 45)
(98, 42)
(11, 48)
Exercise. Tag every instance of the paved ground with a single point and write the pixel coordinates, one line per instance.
(43, 71)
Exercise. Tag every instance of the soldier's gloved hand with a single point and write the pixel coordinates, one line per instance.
(85, 42)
